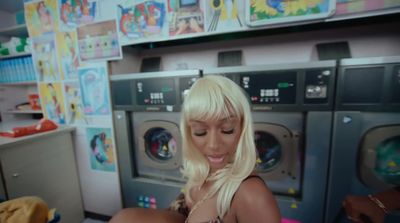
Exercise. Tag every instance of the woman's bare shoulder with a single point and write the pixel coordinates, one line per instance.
(254, 202)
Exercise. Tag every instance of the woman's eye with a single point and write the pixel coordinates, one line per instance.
(231, 131)
(199, 133)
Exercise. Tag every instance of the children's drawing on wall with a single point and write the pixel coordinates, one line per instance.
(40, 17)
(99, 41)
(185, 17)
(75, 111)
(67, 45)
(264, 12)
(360, 6)
(142, 21)
(94, 90)
(101, 149)
(76, 12)
(224, 15)
(45, 58)
(52, 101)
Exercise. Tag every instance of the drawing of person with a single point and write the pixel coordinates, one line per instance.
(54, 105)
(44, 17)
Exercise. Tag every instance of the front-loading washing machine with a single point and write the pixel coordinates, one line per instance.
(365, 155)
(292, 113)
(146, 117)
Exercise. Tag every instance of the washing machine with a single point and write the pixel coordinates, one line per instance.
(149, 149)
(365, 155)
(292, 114)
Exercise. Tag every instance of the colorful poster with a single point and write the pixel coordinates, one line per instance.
(94, 90)
(225, 15)
(75, 111)
(345, 7)
(41, 17)
(266, 12)
(45, 58)
(142, 21)
(74, 13)
(101, 149)
(185, 17)
(67, 49)
(52, 101)
(99, 41)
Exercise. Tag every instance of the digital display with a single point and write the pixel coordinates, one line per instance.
(270, 87)
(156, 92)
(185, 3)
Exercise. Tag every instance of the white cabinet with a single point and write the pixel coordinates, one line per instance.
(44, 165)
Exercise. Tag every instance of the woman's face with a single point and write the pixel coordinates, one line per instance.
(216, 139)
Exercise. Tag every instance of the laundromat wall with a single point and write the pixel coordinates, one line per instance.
(364, 41)
(296, 47)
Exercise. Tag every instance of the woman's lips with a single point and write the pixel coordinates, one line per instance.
(216, 158)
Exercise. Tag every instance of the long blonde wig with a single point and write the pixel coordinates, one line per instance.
(212, 98)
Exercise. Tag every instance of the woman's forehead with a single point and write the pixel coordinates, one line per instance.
(230, 118)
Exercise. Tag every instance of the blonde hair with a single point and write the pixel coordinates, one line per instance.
(212, 98)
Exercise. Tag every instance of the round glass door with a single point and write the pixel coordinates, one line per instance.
(269, 151)
(160, 144)
(388, 160)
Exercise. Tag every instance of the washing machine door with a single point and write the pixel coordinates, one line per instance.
(379, 157)
(159, 145)
(277, 151)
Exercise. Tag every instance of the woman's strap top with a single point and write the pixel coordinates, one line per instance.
(180, 206)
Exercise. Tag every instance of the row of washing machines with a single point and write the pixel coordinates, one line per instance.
(323, 130)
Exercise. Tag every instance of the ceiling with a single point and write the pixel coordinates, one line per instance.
(11, 6)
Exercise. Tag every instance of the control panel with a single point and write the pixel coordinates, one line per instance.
(317, 83)
(292, 89)
(152, 91)
(270, 87)
(161, 91)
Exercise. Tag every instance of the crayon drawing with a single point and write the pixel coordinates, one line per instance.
(41, 17)
(99, 41)
(45, 58)
(101, 149)
(185, 17)
(67, 49)
(52, 101)
(225, 15)
(266, 12)
(94, 91)
(142, 21)
(74, 107)
(76, 12)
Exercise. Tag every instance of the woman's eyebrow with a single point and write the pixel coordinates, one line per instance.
(220, 120)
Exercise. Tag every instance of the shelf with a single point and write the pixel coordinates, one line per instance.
(18, 30)
(16, 55)
(26, 83)
(24, 111)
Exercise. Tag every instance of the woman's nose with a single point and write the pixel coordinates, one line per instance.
(213, 141)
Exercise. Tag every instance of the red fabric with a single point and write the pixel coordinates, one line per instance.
(44, 125)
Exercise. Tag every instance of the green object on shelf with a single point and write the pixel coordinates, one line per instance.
(20, 48)
(4, 52)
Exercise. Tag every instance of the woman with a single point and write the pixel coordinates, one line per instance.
(219, 161)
